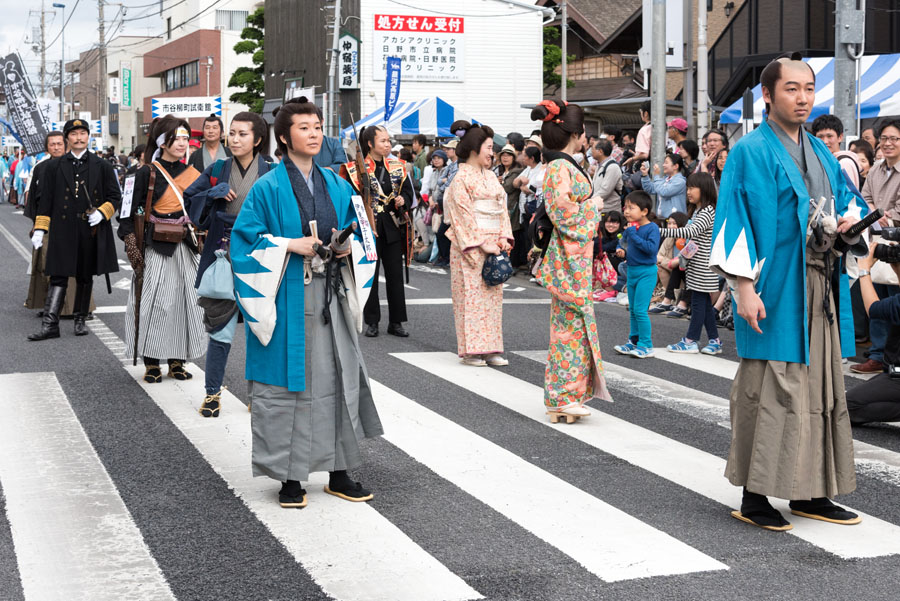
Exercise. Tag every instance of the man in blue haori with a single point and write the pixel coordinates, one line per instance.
(782, 204)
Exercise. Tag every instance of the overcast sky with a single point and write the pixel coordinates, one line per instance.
(17, 23)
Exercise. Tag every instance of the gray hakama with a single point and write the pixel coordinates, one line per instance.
(171, 321)
(319, 429)
(790, 428)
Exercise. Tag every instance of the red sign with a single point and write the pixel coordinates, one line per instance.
(419, 24)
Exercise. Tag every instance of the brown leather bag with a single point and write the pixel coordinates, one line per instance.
(161, 232)
(168, 232)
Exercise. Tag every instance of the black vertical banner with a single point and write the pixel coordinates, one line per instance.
(24, 111)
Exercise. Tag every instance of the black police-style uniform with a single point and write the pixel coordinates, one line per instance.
(71, 188)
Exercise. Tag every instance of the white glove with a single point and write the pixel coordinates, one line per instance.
(95, 218)
(37, 239)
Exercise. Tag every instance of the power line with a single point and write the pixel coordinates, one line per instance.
(441, 12)
(72, 12)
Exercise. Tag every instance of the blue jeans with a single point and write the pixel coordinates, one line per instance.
(216, 359)
(878, 328)
(640, 285)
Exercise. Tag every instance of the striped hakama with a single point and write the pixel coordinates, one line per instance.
(171, 321)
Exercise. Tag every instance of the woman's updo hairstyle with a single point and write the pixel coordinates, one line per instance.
(471, 137)
(367, 137)
(561, 121)
(162, 132)
(258, 127)
(284, 119)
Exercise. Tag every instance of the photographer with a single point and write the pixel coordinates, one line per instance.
(878, 399)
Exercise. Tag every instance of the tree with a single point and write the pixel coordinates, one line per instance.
(251, 79)
(553, 59)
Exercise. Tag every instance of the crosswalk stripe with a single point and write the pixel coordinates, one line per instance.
(74, 538)
(608, 542)
(719, 366)
(449, 301)
(670, 459)
(349, 549)
(877, 462)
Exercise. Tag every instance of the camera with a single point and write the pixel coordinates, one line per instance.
(886, 253)
(890, 233)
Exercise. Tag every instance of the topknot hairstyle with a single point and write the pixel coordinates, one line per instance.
(472, 136)
(561, 120)
(284, 118)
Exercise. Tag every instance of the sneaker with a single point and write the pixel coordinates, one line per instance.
(684, 346)
(660, 308)
(600, 297)
(713, 348)
(625, 349)
(677, 313)
(869, 367)
(611, 299)
(642, 352)
(496, 360)
(622, 299)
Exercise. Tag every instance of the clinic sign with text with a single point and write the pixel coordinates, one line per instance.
(431, 48)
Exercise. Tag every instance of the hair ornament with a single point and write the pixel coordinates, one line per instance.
(552, 109)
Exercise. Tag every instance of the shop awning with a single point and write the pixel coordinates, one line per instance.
(430, 116)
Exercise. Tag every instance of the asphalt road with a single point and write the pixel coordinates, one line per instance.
(461, 482)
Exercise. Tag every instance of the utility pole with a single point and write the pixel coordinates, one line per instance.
(702, 72)
(102, 101)
(658, 84)
(331, 126)
(565, 47)
(62, 64)
(688, 94)
(849, 31)
(43, 48)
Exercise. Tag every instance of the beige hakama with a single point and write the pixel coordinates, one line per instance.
(790, 429)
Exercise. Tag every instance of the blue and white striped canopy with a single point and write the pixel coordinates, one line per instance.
(879, 89)
(430, 116)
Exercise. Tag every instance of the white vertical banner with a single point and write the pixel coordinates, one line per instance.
(674, 34)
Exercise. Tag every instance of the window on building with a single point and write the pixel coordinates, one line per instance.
(231, 20)
(182, 76)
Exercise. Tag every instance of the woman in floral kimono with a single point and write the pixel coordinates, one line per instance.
(574, 368)
(476, 203)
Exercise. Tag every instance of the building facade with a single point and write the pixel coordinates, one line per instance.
(484, 63)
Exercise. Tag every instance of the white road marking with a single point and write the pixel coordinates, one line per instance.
(349, 549)
(872, 460)
(606, 541)
(407, 286)
(449, 301)
(719, 366)
(123, 284)
(109, 309)
(677, 462)
(74, 538)
(17, 246)
(20, 212)
(125, 265)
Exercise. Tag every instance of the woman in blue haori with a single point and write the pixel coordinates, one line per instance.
(309, 389)
(783, 204)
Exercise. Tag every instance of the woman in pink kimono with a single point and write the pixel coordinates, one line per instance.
(574, 368)
(476, 204)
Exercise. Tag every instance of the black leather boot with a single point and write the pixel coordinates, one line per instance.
(50, 321)
(81, 307)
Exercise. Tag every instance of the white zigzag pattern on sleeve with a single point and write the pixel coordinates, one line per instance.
(736, 262)
(262, 309)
